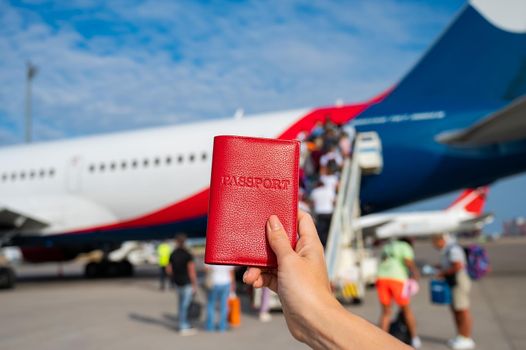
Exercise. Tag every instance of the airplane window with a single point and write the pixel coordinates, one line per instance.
(113, 166)
(145, 163)
(51, 172)
(4, 177)
(13, 176)
(102, 166)
(123, 164)
(22, 175)
(191, 158)
(32, 174)
(180, 159)
(134, 164)
(168, 160)
(41, 173)
(157, 161)
(203, 156)
(92, 168)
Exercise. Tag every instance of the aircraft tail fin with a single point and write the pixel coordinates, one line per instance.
(478, 61)
(471, 200)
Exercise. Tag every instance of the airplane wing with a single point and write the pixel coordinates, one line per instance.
(479, 221)
(15, 220)
(39, 215)
(371, 230)
(507, 124)
(370, 223)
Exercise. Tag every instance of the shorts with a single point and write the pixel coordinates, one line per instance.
(460, 292)
(391, 289)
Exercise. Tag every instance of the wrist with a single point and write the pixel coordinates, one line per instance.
(323, 316)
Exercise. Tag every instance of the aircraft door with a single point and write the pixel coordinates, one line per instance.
(73, 174)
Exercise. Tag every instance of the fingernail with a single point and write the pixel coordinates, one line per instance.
(274, 222)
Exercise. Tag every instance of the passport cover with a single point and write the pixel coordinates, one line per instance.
(252, 178)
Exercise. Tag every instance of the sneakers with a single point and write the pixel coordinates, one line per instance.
(461, 343)
(416, 343)
(187, 331)
(265, 317)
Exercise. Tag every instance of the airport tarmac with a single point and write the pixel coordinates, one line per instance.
(46, 311)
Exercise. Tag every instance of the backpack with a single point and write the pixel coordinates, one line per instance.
(398, 329)
(477, 261)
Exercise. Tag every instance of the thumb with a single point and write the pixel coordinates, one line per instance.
(277, 238)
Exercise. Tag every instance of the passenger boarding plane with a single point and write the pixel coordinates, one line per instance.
(456, 120)
(464, 215)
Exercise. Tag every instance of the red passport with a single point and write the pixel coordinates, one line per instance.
(252, 179)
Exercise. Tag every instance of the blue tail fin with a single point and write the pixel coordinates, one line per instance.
(479, 61)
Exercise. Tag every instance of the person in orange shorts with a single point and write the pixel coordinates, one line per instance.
(392, 284)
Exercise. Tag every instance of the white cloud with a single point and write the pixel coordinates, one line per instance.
(169, 62)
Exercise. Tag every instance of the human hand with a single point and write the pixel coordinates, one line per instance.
(300, 280)
(313, 315)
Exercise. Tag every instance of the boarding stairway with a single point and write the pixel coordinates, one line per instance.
(351, 267)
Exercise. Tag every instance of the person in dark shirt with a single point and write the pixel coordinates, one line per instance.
(182, 271)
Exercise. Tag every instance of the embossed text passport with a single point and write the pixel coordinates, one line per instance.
(252, 178)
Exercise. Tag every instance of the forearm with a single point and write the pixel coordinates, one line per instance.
(415, 273)
(448, 272)
(412, 268)
(193, 279)
(333, 327)
(192, 275)
(451, 271)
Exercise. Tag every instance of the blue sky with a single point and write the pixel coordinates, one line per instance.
(116, 65)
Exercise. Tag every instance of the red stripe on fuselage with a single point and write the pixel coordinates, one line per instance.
(189, 208)
(338, 115)
(197, 204)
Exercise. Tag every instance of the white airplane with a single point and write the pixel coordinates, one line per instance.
(458, 111)
(464, 215)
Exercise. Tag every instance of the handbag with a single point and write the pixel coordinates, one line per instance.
(440, 292)
(194, 309)
(399, 329)
(411, 288)
(234, 310)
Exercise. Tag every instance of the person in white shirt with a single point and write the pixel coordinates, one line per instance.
(453, 270)
(332, 155)
(323, 198)
(221, 280)
(330, 179)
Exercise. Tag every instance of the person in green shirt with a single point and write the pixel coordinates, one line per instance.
(164, 250)
(392, 284)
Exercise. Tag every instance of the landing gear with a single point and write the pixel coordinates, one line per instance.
(108, 268)
(126, 268)
(7, 277)
(92, 270)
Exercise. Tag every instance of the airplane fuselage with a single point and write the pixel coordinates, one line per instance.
(417, 166)
(150, 184)
(86, 184)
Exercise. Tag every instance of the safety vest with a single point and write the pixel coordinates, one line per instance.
(163, 252)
